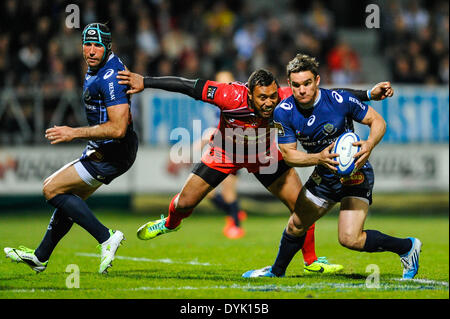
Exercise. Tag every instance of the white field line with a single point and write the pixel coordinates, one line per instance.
(140, 259)
(431, 285)
(425, 281)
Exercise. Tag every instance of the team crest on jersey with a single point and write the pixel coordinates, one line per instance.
(329, 129)
(352, 180)
(211, 91)
(279, 128)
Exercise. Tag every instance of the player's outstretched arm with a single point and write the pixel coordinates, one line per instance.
(168, 83)
(378, 92)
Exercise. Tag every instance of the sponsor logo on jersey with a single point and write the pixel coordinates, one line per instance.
(311, 120)
(111, 90)
(337, 96)
(354, 179)
(286, 106)
(210, 92)
(108, 74)
(356, 101)
(90, 107)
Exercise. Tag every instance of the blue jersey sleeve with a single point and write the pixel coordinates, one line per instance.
(356, 109)
(281, 119)
(113, 92)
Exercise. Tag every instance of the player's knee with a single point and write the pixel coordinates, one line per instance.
(296, 228)
(49, 191)
(185, 203)
(350, 241)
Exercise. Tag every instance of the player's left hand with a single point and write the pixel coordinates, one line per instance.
(381, 91)
(58, 134)
(363, 154)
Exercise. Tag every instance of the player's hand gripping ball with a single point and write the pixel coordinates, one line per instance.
(343, 146)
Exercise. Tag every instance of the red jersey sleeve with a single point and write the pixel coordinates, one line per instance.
(284, 92)
(226, 96)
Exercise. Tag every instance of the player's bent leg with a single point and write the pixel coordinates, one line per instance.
(352, 216)
(351, 235)
(181, 206)
(305, 214)
(286, 187)
(66, 190)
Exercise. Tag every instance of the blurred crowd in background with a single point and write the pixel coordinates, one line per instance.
(198, 38)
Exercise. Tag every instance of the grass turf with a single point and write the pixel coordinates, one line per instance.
(198, 262)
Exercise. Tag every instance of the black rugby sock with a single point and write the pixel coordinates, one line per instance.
(378, 242)
(289, 246)
(58, 227)
(233, 212)
(219, 202)
(77, 209)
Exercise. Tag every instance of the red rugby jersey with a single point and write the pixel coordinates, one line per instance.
(249, 130)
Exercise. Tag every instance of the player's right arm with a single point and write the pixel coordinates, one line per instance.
(137, 83)
(287, 143)
(296, 158)
(223, 95)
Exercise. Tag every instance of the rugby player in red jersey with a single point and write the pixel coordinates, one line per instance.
(245, 124)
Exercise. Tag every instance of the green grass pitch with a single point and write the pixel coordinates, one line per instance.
(198, 262)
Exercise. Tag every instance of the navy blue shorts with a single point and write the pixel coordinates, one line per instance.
(110, 160)
(334, 188)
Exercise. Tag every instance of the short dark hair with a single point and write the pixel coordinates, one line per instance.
(303, 62)
(260, 77)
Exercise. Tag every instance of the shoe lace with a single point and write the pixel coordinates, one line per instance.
(161, 225)
(26, 249)
(322, 260)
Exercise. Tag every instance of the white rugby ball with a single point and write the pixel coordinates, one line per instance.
(343, 146)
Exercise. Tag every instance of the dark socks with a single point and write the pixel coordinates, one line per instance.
(289, 246)
(76, 208)
(58, 227)
(377, 242)
(231, 209)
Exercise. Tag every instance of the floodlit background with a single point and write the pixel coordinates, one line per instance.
(42, 71)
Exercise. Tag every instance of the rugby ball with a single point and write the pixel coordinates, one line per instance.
(343, 146)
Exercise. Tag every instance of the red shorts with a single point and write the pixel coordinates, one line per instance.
(216, 158)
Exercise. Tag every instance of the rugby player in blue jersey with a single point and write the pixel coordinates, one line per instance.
(316, 118)
(110, 152)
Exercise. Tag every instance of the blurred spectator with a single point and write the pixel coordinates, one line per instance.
(414, 16)
(247, 38)
(343, 63)
(146, 38)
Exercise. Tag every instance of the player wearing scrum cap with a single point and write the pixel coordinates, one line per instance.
(110, 152)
